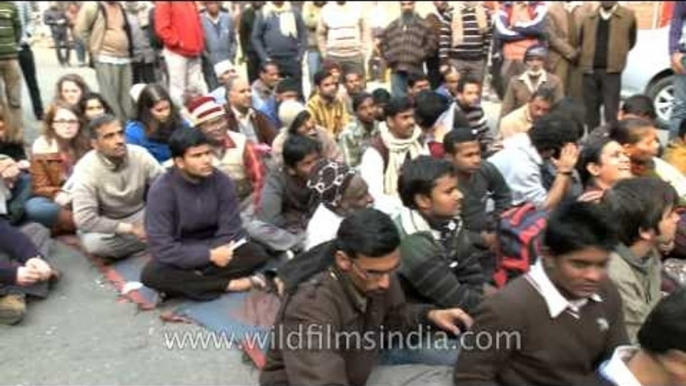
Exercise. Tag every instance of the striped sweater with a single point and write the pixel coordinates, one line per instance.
(342, 31)
(473, 117)
(475, 42)
(406, 44)
(10, 30)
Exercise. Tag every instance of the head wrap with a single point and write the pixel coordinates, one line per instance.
(329, 180)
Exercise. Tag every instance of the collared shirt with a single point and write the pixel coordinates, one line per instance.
(354, 140)
(260, 94)
(526, 79)
(520, 165)
(518, 121)
(616, 371)
(331, 116)
(245, 124)
(556, 302)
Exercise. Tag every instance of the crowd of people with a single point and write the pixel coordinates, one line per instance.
(381, 210)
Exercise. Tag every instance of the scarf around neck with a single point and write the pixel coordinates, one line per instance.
(286, 17)
(398, 150)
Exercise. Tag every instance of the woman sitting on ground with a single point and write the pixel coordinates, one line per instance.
(91, 105)
(601, 164)
(70, 89)
(156, 119)
(55, 153)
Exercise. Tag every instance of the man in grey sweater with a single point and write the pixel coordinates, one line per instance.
(109, 192)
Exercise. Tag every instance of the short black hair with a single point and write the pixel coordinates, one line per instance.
(299, 120)
(465, 80)
(100, 121)
(664, 329)
(267, 64)
(297, 147)
(630, 131)
(457, 136)
(360, 98)
(590, 154)
(576, 226)
(639, 105)
(450, 70)
(367, 232)
(638, 204)
(573, 110)
(416, 76)
(419, 176)
(320, 76)
(398, 105)
(553, 133)
(545, 93)
(429, 107)
(184, 138)
(381, 96)
(287, 85)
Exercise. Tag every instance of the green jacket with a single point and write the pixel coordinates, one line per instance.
(639, 281)
(10, 30)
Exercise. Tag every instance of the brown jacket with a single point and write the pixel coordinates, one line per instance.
(622, 39)
(263, 128)
(47, 174)
(563, 36)
(518, 92)
(331, 309)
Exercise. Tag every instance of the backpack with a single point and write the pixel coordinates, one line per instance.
(519, 237)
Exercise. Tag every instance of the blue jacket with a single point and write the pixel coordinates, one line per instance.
(220, 39)
(676, 28)
(135, 135)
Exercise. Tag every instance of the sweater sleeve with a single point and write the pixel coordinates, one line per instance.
(302, 35)
(18, 246)
(431, 274)
(86, 209)
(160, 227)
(256, 37)
(271, 207)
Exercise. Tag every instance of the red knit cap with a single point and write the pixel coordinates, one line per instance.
(204, 109)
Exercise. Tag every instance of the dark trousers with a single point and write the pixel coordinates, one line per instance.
(253, 65)
(28, 68)
(207, 283)
(601, 89)
(290, 67)
(40, 236)
(143, 73)
(62, 48)
(433, 66)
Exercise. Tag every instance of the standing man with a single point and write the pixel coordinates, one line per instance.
(437, 18)
(312, 11)
(343, 35)
(405, 44)
(26, 59)
(105, 29)
(10, 34)
(466, 39)
(245, 27)
(279, 35)
(677, 48)
(220, 39)
(603, 58)
(563, 25)
(177, 23)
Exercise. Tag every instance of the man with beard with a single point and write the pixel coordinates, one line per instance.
(109, 194)
(357, 297)
(198, 245)
(328, 111)
(564, 305)
(357, 137)
(234, 154)
(520, 88)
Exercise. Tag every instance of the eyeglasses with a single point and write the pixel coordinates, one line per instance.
(372, 274)
(66, 122)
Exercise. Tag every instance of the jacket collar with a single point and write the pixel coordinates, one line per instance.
(637, 262)
(357, 299)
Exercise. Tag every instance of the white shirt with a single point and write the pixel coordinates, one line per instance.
(616, 371)
(668, 173)
(556, 302)
(372, 172)
(323, 227)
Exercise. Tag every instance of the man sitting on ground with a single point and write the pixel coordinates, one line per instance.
(357, 137)
(429, 107)
(327, 109)
(109, 193)
(479, 182)
(522, 119)
(440, 266)
(226, 72)
(288, 89)
(263, 88)
(243, 118)
(645, 211)
(359, 295)
(198, 245)
(416, 83)
(560, 320)
(353, 84)
(467, 112)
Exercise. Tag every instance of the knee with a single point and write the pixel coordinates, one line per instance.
(42, 211)
(95, 244)
(150, 275)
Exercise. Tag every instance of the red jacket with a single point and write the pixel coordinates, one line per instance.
(177, 23)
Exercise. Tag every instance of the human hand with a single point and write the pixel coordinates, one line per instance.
(27, 276)
(568, 158)
(448, 319)
(222, 255)
(41, 266)
(62, 199)
(139, 231)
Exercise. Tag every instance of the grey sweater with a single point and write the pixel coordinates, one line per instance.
(104, 194)
(220, 38)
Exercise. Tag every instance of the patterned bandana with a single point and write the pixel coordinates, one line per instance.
(328, 181)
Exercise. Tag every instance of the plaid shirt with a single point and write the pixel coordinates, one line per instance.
(354, 140)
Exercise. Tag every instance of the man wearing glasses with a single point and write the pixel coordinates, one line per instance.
(331, 327)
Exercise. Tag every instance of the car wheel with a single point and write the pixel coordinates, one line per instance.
(662, 95)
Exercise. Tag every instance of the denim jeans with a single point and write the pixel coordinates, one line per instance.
(398, 84)
(314, 63)
(42, 210)
(436, 353)
(678, 106)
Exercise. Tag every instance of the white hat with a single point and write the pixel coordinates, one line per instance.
(222, 67)
(136, 91)
(288, 111)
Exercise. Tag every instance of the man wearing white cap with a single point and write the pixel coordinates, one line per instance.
(235, 155)
(225, 71)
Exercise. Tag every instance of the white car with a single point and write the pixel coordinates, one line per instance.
(648, 71)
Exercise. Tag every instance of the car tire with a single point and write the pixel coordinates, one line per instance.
(661, 92)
